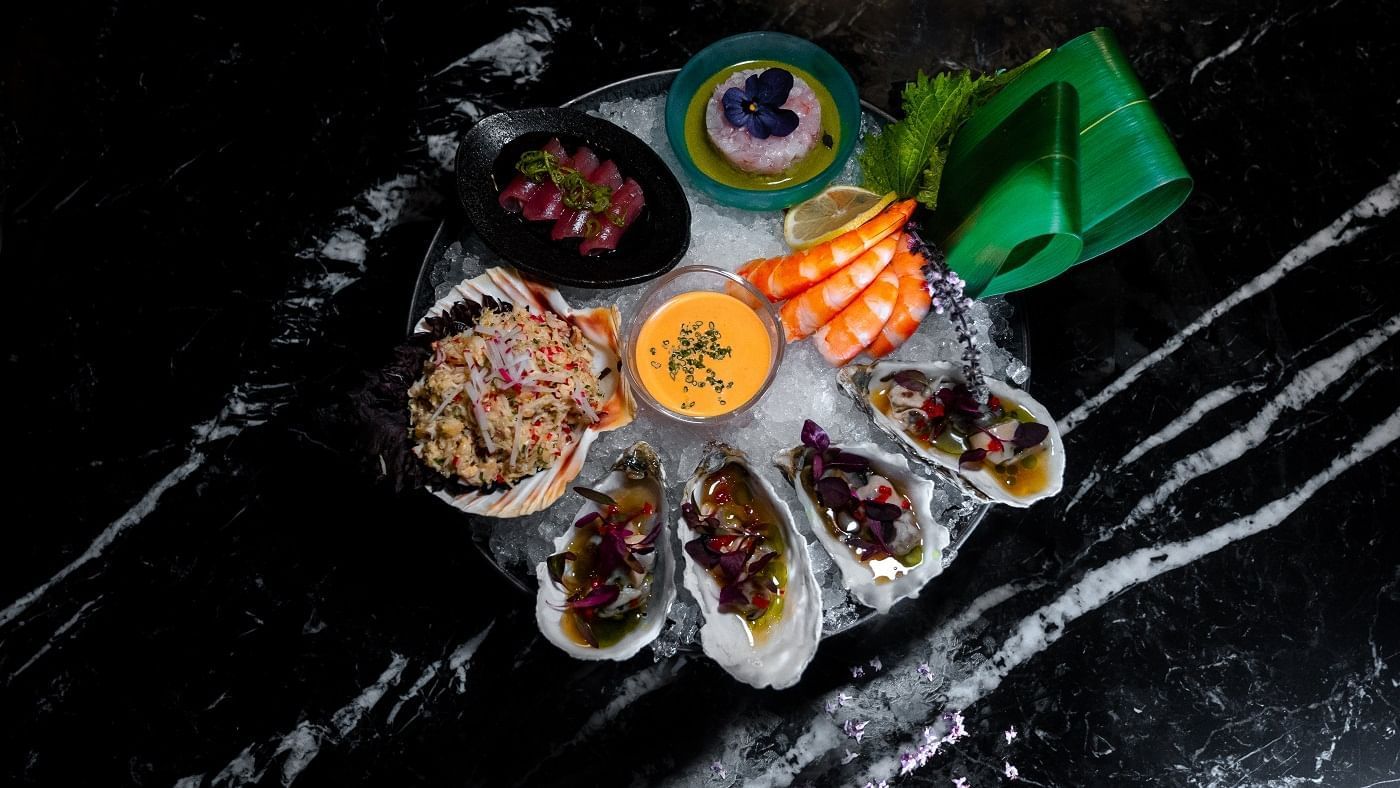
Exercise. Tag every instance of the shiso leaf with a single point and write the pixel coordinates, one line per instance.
(602, 499)
(908, 156)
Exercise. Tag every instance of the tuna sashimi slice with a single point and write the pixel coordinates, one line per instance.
(627, 203)
(573, 222)
(516, 193)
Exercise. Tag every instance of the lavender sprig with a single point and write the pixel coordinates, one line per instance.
(949, 299)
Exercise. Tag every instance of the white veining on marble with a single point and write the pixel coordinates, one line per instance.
(515, 54)
(130, 517)
(1373, 207)
(1229, 50)
(1198, 410)
(58, 633)
(1037, 631)
(461, 658)
(1295, 394)
(457, 663)
(295, 750)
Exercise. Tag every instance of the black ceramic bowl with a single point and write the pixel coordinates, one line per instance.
(486, 159)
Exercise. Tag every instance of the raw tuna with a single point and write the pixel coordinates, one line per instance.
(627, 203)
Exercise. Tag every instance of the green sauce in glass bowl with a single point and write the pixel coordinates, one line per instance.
(709, 171)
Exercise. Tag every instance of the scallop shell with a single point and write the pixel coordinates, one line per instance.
(861, 380)
(778, 662)
(856, 575)
(600, 330)
(638, 465)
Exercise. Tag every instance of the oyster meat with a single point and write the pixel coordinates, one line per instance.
(870, 512)
(1006, 450)
(748, 567)
(605, 591)
(481, 434)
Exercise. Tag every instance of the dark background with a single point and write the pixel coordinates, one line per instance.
(215, 571)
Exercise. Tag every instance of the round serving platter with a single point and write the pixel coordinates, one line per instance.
(454, 233)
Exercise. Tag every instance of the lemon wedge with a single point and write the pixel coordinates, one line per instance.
(836, 210)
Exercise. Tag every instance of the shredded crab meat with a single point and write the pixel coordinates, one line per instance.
(505, 398)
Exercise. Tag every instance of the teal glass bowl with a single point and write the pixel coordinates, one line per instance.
(725, 54)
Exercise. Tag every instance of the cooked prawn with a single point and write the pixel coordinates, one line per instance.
(910, 308)
(859, 324)
(786, 276)
(817, 305)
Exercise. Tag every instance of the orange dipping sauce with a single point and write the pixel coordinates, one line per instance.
(703, 353)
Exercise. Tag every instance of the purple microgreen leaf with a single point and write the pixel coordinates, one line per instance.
(604, 594)
(701, 554)
(814, 436)
(818, 465)
(611, 552)
(649, 539)
(602, 499)
(846, 461)
(912, 379)
(588, 519)
(555, 564)
(972, 458)
(691, 515)
(834, 493)
(1030, 434)
(877, 510)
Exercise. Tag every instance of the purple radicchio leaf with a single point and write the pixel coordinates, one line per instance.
(1030, 434)
(701, 554)
(602, 595)
(814, 436)
(732, 564)
(731, 598)
(762, 561)
(834, 493)
(972, 458)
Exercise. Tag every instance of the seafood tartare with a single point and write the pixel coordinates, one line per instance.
(764, 120)
(503, 399)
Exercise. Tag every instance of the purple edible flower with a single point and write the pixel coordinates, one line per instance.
(1011, 771)
(758, 105)
(955, 727)
(1010, 734)
(717, 769)
(876, 664)
(855, 728)
(948, 297)
(925, 672)
(857, 671)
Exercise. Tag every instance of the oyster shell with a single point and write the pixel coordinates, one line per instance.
(600, 330)
(865, 382)
(881, 582)
(749, 645)
(636, 478)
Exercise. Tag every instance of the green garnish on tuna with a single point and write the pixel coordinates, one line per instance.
(908, 157)
(579, 192)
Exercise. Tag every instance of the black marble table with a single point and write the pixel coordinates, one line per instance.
(211, 217)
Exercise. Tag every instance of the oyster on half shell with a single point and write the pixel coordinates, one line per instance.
(625, 548)
(1017, 457)
(871, 513)
(748, 567)
(598, 331)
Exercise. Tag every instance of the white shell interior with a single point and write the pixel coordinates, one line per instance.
(980, 483)
(856, 575)
(549, 600)
(792, 642)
